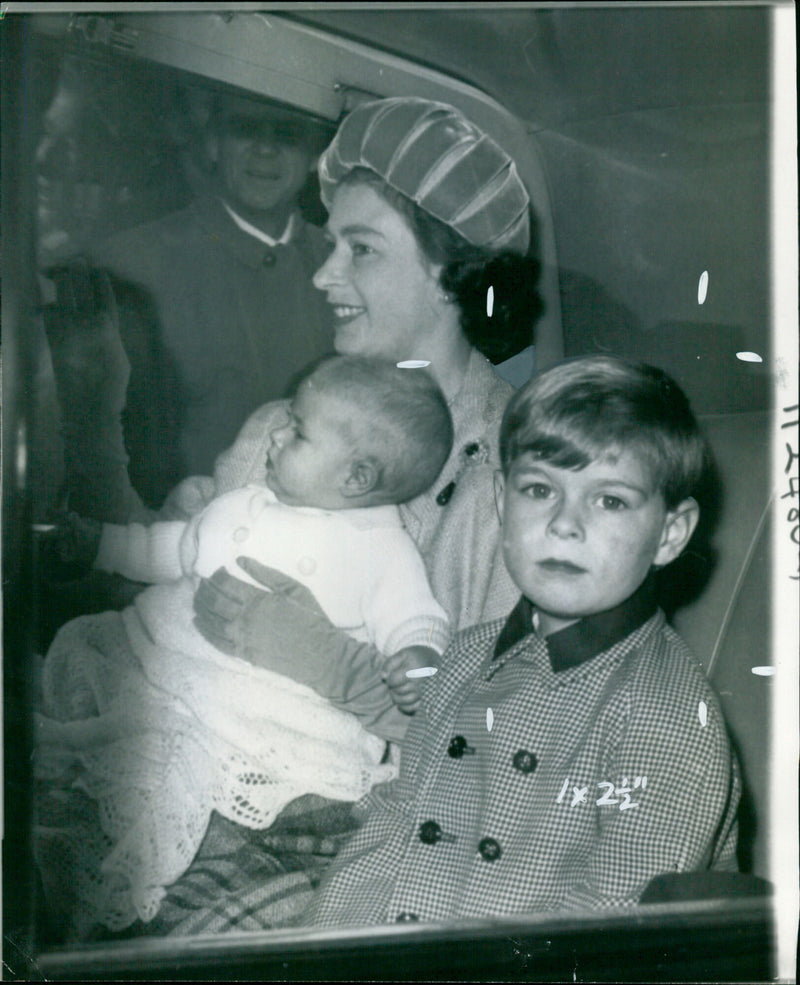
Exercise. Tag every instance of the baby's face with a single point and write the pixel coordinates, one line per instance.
(580, 542)
(310, 457)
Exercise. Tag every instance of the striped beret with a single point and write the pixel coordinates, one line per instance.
(430, 153)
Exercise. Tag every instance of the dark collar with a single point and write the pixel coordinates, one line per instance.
(586, 638)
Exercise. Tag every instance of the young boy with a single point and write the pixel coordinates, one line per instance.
(167, 727)
(566, 756)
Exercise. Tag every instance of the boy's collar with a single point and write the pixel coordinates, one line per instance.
(586, 638)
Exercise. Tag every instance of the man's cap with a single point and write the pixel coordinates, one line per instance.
(241, 110)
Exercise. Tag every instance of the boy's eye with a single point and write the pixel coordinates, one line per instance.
(537, 490)
(612, 503)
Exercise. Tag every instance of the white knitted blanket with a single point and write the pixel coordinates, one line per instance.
(166, 734)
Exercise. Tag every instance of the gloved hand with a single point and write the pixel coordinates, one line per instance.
(236, 616)
(403, 672)
(284, 630)
(283, 625)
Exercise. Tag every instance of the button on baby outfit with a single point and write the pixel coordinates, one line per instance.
(306, 565)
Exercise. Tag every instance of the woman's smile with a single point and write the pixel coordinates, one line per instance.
(345, 313)
(376, 279)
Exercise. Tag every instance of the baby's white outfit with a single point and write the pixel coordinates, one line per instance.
(168, 728)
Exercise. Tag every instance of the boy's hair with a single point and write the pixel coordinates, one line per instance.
(582, 409)
(400, 418)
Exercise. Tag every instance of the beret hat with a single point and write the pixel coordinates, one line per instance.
(433, 155)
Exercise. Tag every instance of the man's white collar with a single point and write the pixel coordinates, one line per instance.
(258, 233)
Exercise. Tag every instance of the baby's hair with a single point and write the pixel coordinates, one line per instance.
(584, 409)
(400, 418)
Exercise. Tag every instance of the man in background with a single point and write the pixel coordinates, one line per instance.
(213, 305)
(165, 336)
(229, 276)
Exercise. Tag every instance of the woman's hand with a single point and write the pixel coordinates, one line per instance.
(284, 630)
(236, 617)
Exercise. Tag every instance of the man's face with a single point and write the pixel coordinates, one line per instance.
(263, 162)
(75, 156)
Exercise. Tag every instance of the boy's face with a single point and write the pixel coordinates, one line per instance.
(578, 543)
(310, 458)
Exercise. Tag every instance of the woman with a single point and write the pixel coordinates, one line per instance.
(429, 228)
(428, 217)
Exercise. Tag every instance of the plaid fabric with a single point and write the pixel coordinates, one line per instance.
(236, 883)
(244, 880)
(240, 880)
(572, 788)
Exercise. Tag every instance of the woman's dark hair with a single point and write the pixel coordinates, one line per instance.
(499, 327)
(503, 326)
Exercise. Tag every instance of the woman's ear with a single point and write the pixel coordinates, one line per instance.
(679, 525)
(362, 477)
(499, 493)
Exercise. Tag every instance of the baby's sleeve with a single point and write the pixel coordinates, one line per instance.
(153, 554)
(400, 609)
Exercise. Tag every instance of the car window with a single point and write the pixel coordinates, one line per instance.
(659, 194)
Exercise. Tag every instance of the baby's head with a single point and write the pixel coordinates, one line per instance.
(601, 460)
(361, 432)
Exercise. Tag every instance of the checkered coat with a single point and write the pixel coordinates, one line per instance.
(526, 789)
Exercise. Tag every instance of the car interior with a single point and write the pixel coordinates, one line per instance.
(656, 143)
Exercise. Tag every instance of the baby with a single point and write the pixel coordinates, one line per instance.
(168, 728)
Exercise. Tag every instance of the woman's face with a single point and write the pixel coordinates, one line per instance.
(385, 296)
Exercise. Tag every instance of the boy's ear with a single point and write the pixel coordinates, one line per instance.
(362, 477)
(499, 492)
(679, 526)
